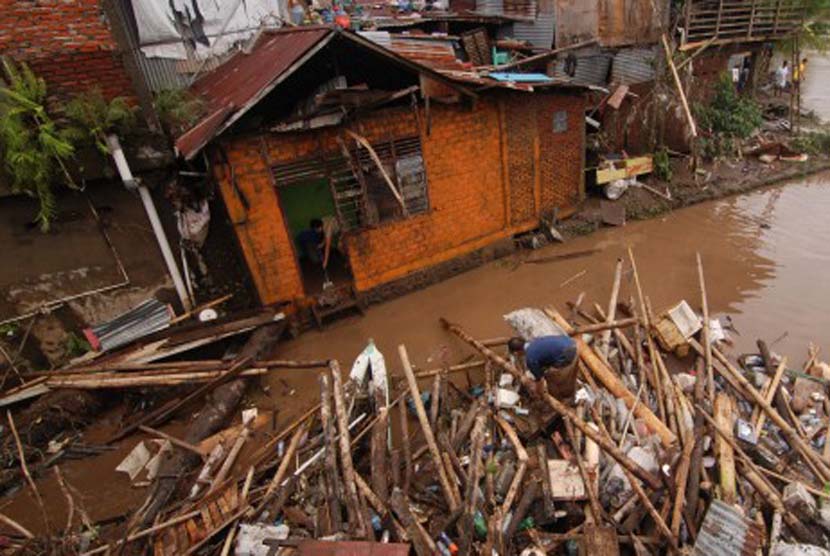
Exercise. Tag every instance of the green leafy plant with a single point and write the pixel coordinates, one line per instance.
(35, 149)
(727, 118)
(93, 117)
(75, 346)
(812, 143)
(178, 109)
(662, 164)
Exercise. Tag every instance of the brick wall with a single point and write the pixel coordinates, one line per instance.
(67, 42)
(466, 158)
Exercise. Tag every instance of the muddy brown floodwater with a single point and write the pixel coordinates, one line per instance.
(766, 257)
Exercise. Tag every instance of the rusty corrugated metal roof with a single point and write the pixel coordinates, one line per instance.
(435, 52)
(351, 548)
(246, 77)
(725, 532)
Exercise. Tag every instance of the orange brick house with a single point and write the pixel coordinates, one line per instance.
(306, 124)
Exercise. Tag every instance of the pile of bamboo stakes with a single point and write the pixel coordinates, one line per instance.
(452, 472)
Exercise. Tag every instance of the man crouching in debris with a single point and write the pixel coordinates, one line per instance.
(552, 358)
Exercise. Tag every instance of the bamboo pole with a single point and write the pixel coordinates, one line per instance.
(334, 487)
(605, 340)
(614, 385)
(707, 340)
(680, 486)
(407, 448)
(658, 387)
(679, 86)
(350, 485)
(427, 429)
(724, 416)
(522, 457)
(773, 387)
(473, 478)
(607, 446)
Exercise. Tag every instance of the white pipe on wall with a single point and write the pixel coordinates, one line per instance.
(150, 208)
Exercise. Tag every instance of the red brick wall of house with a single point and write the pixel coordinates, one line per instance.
(67, 42)
(467, 158)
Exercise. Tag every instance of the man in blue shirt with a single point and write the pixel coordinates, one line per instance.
(552, 358)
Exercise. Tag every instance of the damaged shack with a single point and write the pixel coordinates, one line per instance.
(421, 167)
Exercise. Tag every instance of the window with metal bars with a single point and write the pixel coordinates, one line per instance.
(361, 195)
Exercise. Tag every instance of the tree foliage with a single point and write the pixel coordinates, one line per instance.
(93, 117)
(178, 109)
(35, 149)
(727, 118)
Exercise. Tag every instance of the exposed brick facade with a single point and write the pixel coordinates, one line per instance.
(470, 162)
(67, 42)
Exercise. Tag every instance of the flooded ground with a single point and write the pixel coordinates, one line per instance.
(765, 256)
(816, 94)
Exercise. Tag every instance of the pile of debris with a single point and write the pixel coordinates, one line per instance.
(663, 446)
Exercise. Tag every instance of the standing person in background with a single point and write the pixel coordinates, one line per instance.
(798, 74)
(782, 76)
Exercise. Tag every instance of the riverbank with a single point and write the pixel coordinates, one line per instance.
(716, 180)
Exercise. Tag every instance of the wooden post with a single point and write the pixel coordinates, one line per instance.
(449, 494)
(679, 85)
(724, 416)
(607, 446)
(473, 478)
(405, 446)
(680, 486)
(350, 485)
(334, 489)
(605, 340)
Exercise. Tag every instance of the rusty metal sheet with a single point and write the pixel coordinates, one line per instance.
(246, 77)
(626, 22)
(725, 532)
(351, 548)
(434, 52)
(576, 21)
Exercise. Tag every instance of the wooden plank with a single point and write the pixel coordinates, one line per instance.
(599, 540)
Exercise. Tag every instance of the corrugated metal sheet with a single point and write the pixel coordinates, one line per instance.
(433, 52)
(247, 77)
(590, 70)
(142, 320)
(539, 33)
(525, 9)
(725, 532)
(634, 65)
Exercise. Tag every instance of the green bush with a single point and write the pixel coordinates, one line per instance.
(727, 119)
(812, 143)
(93, 117)
(662, 165)
(35, 149)
(178, 109)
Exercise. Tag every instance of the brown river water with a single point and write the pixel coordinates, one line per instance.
(766, 258)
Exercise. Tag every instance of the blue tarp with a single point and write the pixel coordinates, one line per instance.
(520, 77)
